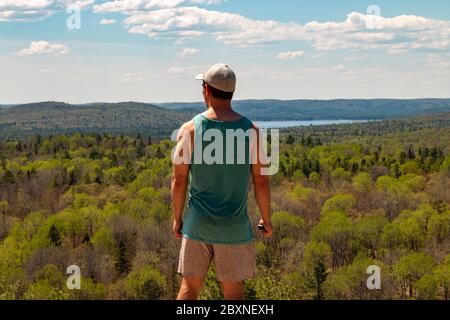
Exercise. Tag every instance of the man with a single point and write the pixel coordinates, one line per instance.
(216, 225)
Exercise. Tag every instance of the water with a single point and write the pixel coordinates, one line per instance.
(290, 124)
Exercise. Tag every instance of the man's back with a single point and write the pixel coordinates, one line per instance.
(219, 181)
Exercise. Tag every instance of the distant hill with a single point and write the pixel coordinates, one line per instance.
(267, 110)
(58, 117)
(160, 121)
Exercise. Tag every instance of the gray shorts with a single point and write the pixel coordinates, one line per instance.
(234, 263)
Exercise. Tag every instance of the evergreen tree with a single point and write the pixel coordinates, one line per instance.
(54, 236)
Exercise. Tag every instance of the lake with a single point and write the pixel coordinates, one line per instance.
(290, 124)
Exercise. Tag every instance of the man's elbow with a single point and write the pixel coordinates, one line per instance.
(179, 180)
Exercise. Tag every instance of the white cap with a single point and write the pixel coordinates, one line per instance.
(220, 76)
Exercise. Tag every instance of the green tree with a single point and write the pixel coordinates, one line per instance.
(439, 227)
(350, 281)
(442, 277)
(363, 183)
(287, 225)
(336, 229)
(49, 284)
(368, 231)
(341, 174)
(409, 269)
(290, 139)
(317, 256)
(145, 283)
(339, 202)
(426, 287)
(54, 236)
(445, 167)
(314, 178)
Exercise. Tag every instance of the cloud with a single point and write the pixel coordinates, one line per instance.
(417, 46)
(78, 3)
(145, 5)
(108, 21)
(43, 47)
(357, 32)
(291, 55)
(182, 20)
(188, 52)
(32, 10)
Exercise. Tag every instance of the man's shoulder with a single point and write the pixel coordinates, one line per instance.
(188, 126)
(247, 120)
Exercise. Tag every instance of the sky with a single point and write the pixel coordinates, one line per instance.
(82, 51)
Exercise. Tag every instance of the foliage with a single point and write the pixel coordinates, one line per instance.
(346, 197)
(145, 284)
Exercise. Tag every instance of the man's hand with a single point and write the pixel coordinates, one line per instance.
(267, 232)
(177, 225)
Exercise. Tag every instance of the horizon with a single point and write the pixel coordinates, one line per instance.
(151, 51)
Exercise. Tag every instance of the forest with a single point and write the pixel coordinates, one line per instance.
(131, 118)
(346, 197)
(272, 110)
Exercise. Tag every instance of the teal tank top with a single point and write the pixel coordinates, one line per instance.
(217, 204)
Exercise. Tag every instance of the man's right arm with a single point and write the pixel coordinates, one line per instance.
(181, 168)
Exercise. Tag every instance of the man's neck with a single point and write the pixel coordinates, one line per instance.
(221, 106)
(222, 111)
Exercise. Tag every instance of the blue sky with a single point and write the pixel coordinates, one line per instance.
(150, 50)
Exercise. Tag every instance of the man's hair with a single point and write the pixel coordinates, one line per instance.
(219, 94)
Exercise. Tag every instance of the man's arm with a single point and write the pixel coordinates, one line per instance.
(262, 191)
(181, 167)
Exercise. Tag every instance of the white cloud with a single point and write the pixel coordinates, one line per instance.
(31, 10)
(182, 20)
(407, 47)
(358, 32)
(289, 55)
(144, 5)
(108, 21)
(43, 47)
(188, 52)
(78, 3)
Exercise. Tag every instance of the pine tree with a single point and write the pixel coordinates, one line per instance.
(290, 139)
(315, 277)
(54, 236)
(140, 149)
(320, 275)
